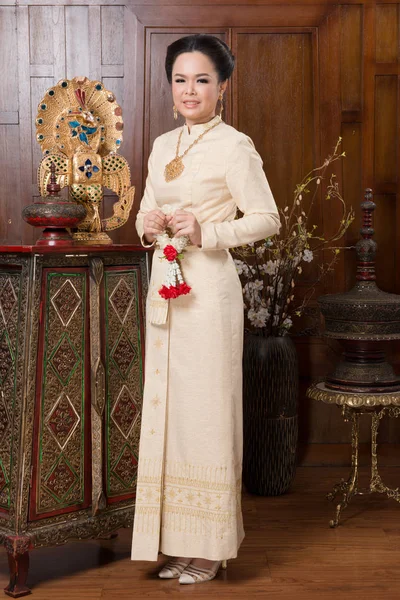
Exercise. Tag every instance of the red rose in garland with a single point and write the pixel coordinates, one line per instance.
(170, 253)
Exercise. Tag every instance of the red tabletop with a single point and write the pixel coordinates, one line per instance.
(72, 249)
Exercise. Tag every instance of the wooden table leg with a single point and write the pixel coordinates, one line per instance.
(18, 562)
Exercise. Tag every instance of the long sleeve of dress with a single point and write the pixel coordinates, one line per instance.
(147, 204)
(250, 191)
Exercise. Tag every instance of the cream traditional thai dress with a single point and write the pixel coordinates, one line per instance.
(190, 456)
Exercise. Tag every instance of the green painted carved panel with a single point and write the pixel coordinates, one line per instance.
(124, 368)
(61, 440)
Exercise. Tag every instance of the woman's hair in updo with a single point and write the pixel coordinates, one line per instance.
(216, 50)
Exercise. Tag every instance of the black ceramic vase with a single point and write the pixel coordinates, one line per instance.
(270, 421)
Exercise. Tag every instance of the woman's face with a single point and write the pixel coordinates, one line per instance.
(195, 87)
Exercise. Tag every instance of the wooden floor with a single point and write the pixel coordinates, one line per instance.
(289, 553)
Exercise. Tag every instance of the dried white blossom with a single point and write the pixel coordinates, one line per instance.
(270, 267)
(258, 318)
(241, 267)
(287, 323)
(308, 255)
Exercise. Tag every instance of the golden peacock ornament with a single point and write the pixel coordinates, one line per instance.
(79, 128)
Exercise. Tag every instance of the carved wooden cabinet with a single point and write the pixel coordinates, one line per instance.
(71, 376)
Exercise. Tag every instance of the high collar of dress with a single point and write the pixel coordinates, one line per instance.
(196, 130)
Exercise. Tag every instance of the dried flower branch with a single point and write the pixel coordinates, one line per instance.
(270, 269)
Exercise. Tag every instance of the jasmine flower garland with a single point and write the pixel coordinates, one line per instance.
(172, 248)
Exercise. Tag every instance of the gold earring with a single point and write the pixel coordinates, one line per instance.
(175, 112)
(220, 98)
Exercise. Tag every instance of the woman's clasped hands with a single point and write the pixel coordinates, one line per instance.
(181, 223)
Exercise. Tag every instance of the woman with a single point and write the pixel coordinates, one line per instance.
(188, 503)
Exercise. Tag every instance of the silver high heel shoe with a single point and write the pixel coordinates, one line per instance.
(173, 568)
(193, 574)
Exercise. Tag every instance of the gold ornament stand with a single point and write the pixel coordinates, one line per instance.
(352, 407)
(79, 128)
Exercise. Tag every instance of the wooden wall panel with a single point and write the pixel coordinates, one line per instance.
(133, 106)
(387, 33)
(329, 126)
(77, 28)
(19, 230)
(112, 27)
(385, 236)
(59, 45)
(274, 104)
(9, 125)
(9, 118)
(40, 35)
(9, 180)
(386, 141)
(9, 84)
(351, 57)
(352, 191)
(250, 14)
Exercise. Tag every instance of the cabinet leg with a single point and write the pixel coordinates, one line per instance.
(18, 562)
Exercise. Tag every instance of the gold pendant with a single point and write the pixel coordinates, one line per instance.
(173, 169)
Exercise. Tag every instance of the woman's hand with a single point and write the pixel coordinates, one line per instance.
(185, 223)
(154, 223)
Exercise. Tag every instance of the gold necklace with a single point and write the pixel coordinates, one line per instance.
(176, 167)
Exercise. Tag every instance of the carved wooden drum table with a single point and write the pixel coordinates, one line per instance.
(71, 375)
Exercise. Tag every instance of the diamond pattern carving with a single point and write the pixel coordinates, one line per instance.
(125, 412)
(6, 358)
(124, 354)
(8, 299)
(121, 299)
(126, 467)
(62, 421)
(61, 479)
(66, 302)
(64, 359)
